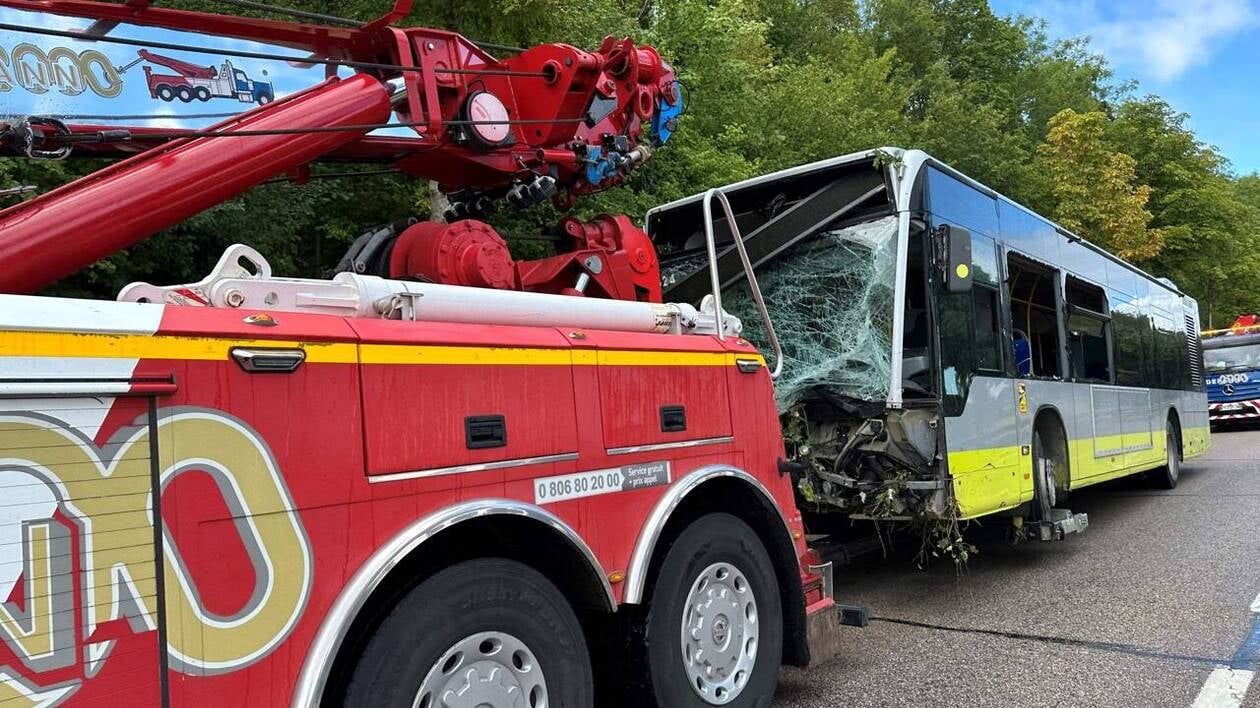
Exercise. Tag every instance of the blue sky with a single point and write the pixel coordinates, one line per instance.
(1202, 56)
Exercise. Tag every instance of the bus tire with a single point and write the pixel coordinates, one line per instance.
(494, 629)
(715, 603)
(1166, 477)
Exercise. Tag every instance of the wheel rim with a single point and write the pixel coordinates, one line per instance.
(720, 631)
(487, 669)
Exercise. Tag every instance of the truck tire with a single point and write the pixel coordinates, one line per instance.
(1166, 477)
(714, 629)
(491, 629)
(184, 94)
(166, 93)
(203, 94)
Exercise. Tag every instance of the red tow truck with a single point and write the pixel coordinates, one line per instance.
(444, 477)
(202, 83)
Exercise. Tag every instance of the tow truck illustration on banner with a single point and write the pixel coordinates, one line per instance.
(202, 83)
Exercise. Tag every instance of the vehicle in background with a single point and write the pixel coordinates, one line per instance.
(1232, 362)
(950, 354)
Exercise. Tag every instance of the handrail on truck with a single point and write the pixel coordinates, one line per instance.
(716, 280)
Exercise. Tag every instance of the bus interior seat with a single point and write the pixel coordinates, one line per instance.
(1023, 353)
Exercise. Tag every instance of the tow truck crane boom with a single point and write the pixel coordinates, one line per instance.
(183, 68)
(551, 121)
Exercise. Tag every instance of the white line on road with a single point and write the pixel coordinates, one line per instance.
(1224, 688)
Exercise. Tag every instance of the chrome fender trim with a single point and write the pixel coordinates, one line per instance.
(641, 559)
(323, 651)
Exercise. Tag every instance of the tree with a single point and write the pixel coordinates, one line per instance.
(1095, 188)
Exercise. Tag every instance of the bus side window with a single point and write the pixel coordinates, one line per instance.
(1088, 322)
(1036, 342)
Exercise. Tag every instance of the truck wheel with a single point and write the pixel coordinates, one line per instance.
(714, 629)
(184, 93)
(264, 99)
(1166, 477)
(203, 94)
(486, 632)
(166, 93)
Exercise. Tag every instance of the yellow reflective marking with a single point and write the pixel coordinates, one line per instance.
(403, 354)
(138, 346)
(135, 346)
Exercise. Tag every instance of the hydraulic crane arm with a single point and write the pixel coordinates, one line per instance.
(551, 120)
(183, 68)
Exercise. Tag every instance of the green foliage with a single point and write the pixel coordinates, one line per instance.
(774, 83)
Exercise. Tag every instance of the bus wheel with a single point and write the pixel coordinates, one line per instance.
(1166, 477)
(1045, 489)
(487, 632)
(714, 633)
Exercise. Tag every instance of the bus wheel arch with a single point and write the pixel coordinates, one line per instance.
(729, 490)
(1049, 439)
(496, 528)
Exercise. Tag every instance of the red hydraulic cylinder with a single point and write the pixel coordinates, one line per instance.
(60, 232)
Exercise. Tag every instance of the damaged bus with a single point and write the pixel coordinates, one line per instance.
(947, 353)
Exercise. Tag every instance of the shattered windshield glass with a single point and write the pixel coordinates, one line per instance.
(831, 299)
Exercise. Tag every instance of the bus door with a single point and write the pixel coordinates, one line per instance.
(979, 396)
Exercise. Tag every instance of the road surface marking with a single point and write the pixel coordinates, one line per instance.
(1224, 688)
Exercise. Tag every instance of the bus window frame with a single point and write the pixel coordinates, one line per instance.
(1060, 279)
(1104, 316)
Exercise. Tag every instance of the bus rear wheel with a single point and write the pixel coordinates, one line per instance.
(714, 627)
(1166, 477)
(486, 632)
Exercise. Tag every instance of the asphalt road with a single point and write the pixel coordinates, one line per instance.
(1138, 611)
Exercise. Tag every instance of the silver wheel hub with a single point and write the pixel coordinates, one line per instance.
(484, 670)
(719, 633)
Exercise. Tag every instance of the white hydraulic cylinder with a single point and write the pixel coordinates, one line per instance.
(242, 280)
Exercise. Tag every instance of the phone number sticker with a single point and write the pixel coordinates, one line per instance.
(588, 484)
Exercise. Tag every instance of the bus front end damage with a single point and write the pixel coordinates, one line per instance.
(826, 244)
(884, 466)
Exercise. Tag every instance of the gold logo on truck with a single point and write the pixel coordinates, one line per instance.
(62, 489)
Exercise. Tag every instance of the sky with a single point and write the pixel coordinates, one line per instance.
(1202, 56)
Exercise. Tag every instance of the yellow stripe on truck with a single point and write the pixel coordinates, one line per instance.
(133, 346)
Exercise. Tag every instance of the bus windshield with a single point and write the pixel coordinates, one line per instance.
(832, 299)
(1237, 358)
